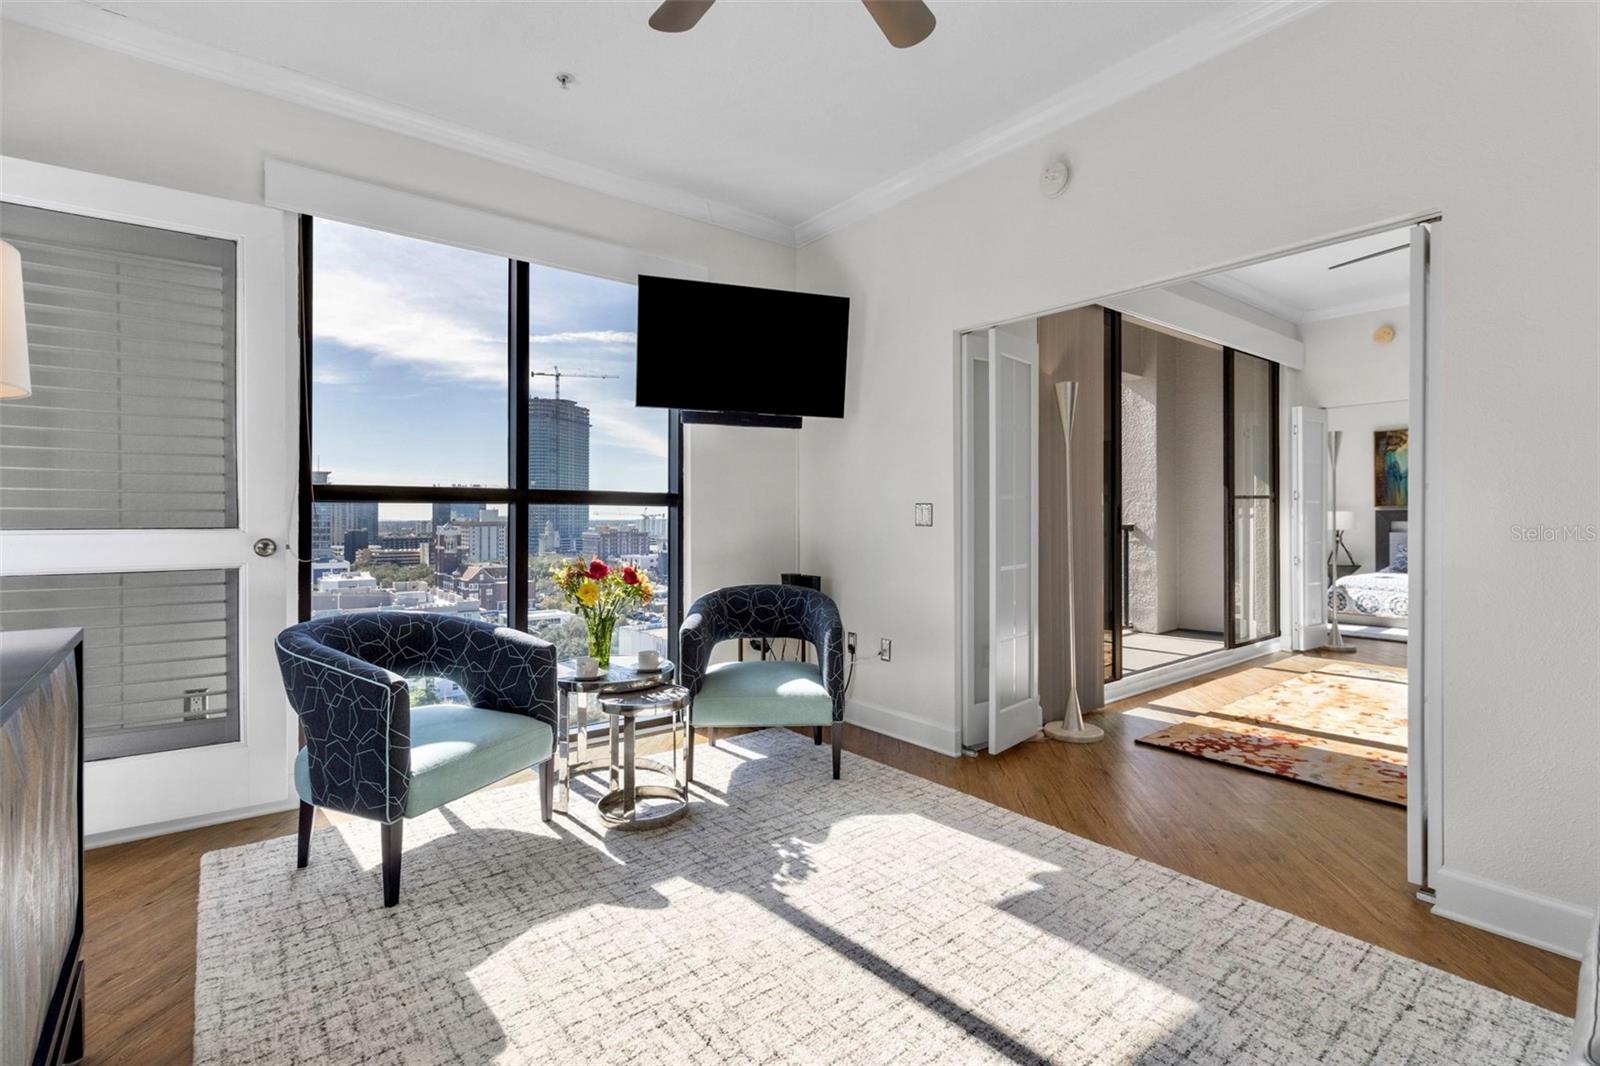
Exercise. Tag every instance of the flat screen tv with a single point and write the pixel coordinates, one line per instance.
(734, 349)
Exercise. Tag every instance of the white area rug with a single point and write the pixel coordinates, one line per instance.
(791, 918)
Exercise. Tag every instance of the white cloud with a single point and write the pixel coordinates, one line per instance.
(360, 312)
(613, 337)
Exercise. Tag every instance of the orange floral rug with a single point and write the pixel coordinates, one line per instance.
(1335, 724)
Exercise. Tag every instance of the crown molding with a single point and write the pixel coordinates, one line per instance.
(109, 30)
(1233, 26)
(1399, 301)
(1260, 299)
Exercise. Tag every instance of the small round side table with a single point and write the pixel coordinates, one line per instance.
(573, 709)
(620, 807)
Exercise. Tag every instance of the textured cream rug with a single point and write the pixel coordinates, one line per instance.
(791, 918)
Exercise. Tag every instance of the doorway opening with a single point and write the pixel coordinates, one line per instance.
(1231, 495)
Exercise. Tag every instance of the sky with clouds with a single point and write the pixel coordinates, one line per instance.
(409, 364)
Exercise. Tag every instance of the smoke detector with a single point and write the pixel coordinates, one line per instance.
(1054, 177)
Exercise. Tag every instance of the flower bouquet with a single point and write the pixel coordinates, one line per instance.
(601, 595)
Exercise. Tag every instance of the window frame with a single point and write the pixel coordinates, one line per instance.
(517, 497)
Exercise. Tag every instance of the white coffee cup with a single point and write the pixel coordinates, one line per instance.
(649, 660)
(588, 666)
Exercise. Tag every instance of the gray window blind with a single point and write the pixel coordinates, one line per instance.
(131, 333)
(160, 653)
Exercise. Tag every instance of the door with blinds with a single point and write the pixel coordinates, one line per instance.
(146, 484)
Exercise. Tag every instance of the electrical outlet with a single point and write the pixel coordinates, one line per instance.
(850, 644)
(884, 646)
(923, 514)
(194, 703)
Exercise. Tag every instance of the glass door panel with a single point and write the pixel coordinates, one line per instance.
(1250, 395)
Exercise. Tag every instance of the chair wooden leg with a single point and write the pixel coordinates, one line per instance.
(307, 812)
(547, 788)
(711, 736)
(816, 735)
(392, 834)
(837, 729)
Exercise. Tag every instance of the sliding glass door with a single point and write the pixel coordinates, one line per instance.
(1250, 470)
(1186, 572)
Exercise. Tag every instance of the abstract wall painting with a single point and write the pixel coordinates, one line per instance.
(1389, 467)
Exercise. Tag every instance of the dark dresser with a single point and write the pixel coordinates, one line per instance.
(41, 846)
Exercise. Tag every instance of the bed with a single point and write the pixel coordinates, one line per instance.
(1377, 603)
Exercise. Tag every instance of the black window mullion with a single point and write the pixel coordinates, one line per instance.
(517, 520)
(303, 523)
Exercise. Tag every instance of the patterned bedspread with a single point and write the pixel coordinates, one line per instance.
(1382, 594)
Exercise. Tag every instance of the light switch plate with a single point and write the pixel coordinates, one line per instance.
(924, 514)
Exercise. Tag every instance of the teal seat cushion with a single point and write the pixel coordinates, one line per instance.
(762, 694)
(457, 750)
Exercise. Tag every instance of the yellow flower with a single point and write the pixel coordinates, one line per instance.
(588, 593)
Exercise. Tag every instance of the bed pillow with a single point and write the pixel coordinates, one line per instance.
(1397, 561)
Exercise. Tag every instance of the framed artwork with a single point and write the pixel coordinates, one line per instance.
(1389, 467)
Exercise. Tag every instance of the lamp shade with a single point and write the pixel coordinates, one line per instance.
(15, 381)
(1343, 520)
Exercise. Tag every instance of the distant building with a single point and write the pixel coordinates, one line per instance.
(558, 458)
(613, 542)
(484, 583)
(417, 556)
(549, 540)
(331, 521)
(445, 513)
(485, 542)
(321, 521)
(354, 541)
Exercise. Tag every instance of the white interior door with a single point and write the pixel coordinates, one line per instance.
(1310, 524)
(1014, 710)
(179, 620)
(1423, 846)
(975, 532)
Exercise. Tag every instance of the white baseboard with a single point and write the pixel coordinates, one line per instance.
(1552, 924)
(902, 726)
(178, 825)
(1186, 669)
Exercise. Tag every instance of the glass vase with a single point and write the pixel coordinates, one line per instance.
(600, 630)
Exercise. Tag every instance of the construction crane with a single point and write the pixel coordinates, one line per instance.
(558, 374)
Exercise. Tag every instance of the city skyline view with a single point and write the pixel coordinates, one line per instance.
(410, 333)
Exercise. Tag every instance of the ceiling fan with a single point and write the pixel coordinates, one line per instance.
(903, 22)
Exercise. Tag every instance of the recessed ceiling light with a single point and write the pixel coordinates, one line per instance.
(565, 80)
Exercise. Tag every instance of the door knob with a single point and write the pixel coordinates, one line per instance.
(266, 547)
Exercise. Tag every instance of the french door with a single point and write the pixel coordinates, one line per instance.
(149, 485)
(1014, 710)
(1250, 494)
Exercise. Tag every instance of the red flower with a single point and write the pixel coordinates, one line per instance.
(598, 570)
(630, 576)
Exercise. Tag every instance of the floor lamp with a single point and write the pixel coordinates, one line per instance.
(1336, 643)
(1071, 728)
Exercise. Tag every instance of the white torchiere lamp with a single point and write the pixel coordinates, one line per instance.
(1071, 728)
(1336, 642)
(15, 381)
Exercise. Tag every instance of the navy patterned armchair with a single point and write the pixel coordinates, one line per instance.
(765, 692)
(368, 752)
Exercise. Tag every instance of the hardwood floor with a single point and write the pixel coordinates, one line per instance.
(1335, 859)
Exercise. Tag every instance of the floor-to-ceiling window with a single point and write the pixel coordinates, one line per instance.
(469, 425)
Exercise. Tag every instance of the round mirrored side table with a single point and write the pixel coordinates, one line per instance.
(656, 803)
(577, 696)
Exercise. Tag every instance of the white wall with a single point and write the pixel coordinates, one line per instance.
(1364, 386)
(66, 103)
(1351, 116)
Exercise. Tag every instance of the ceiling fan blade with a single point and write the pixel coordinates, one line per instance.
(904, 22)
(675, 16)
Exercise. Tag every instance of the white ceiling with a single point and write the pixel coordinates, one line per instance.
(1300, 288)
(779, 118)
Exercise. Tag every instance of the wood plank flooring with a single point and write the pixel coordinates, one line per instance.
(1334, 859)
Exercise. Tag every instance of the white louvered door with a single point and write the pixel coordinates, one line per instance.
(157, 447)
